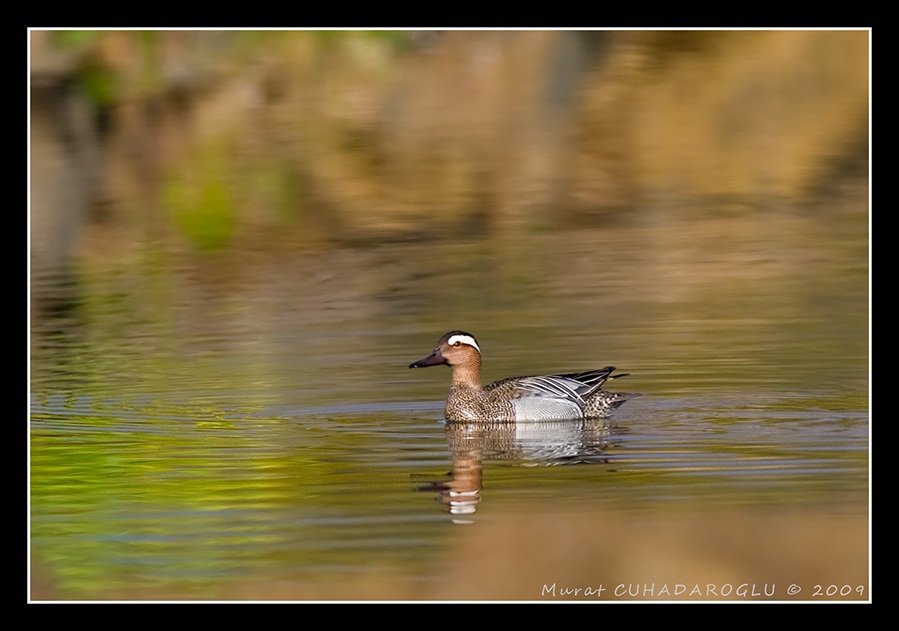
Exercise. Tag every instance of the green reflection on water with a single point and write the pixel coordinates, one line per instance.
(169, 503)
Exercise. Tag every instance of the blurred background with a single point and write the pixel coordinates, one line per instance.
(240, 239)
(216, 138)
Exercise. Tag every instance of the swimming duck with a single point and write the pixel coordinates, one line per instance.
(539, 398)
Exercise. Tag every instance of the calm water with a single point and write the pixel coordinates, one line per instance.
(198, 420)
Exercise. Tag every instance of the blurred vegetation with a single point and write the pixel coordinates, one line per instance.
(201, 198)
(217, 135)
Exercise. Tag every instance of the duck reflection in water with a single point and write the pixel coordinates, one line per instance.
(531, 444)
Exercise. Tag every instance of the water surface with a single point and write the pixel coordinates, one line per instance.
(199, 420)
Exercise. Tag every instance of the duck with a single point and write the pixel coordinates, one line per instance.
(576, 395)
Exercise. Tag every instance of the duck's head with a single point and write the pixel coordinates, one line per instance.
(454, 349)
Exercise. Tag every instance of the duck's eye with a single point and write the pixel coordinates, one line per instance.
(461, 339)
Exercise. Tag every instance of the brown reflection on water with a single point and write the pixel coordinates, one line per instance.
(610, 556)
(750, 302)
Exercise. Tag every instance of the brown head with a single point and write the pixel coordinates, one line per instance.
(461, 352)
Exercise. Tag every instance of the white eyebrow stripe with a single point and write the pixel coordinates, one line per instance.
(464, 339)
